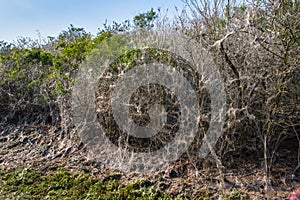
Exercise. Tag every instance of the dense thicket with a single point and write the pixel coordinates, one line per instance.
(256, 46)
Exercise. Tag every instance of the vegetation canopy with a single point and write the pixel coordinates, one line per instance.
(256, 47)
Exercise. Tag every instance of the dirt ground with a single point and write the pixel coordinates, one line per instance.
(47, 148)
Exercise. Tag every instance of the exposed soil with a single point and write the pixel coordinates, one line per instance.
(48, 148)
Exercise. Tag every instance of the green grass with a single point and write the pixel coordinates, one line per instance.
(30, 184)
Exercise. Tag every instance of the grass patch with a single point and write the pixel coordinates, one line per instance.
(30, 184)
(61, 184)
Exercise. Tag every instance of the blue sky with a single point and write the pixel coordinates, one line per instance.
(50, 17)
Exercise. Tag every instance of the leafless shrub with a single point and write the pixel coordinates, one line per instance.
(256, 46)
